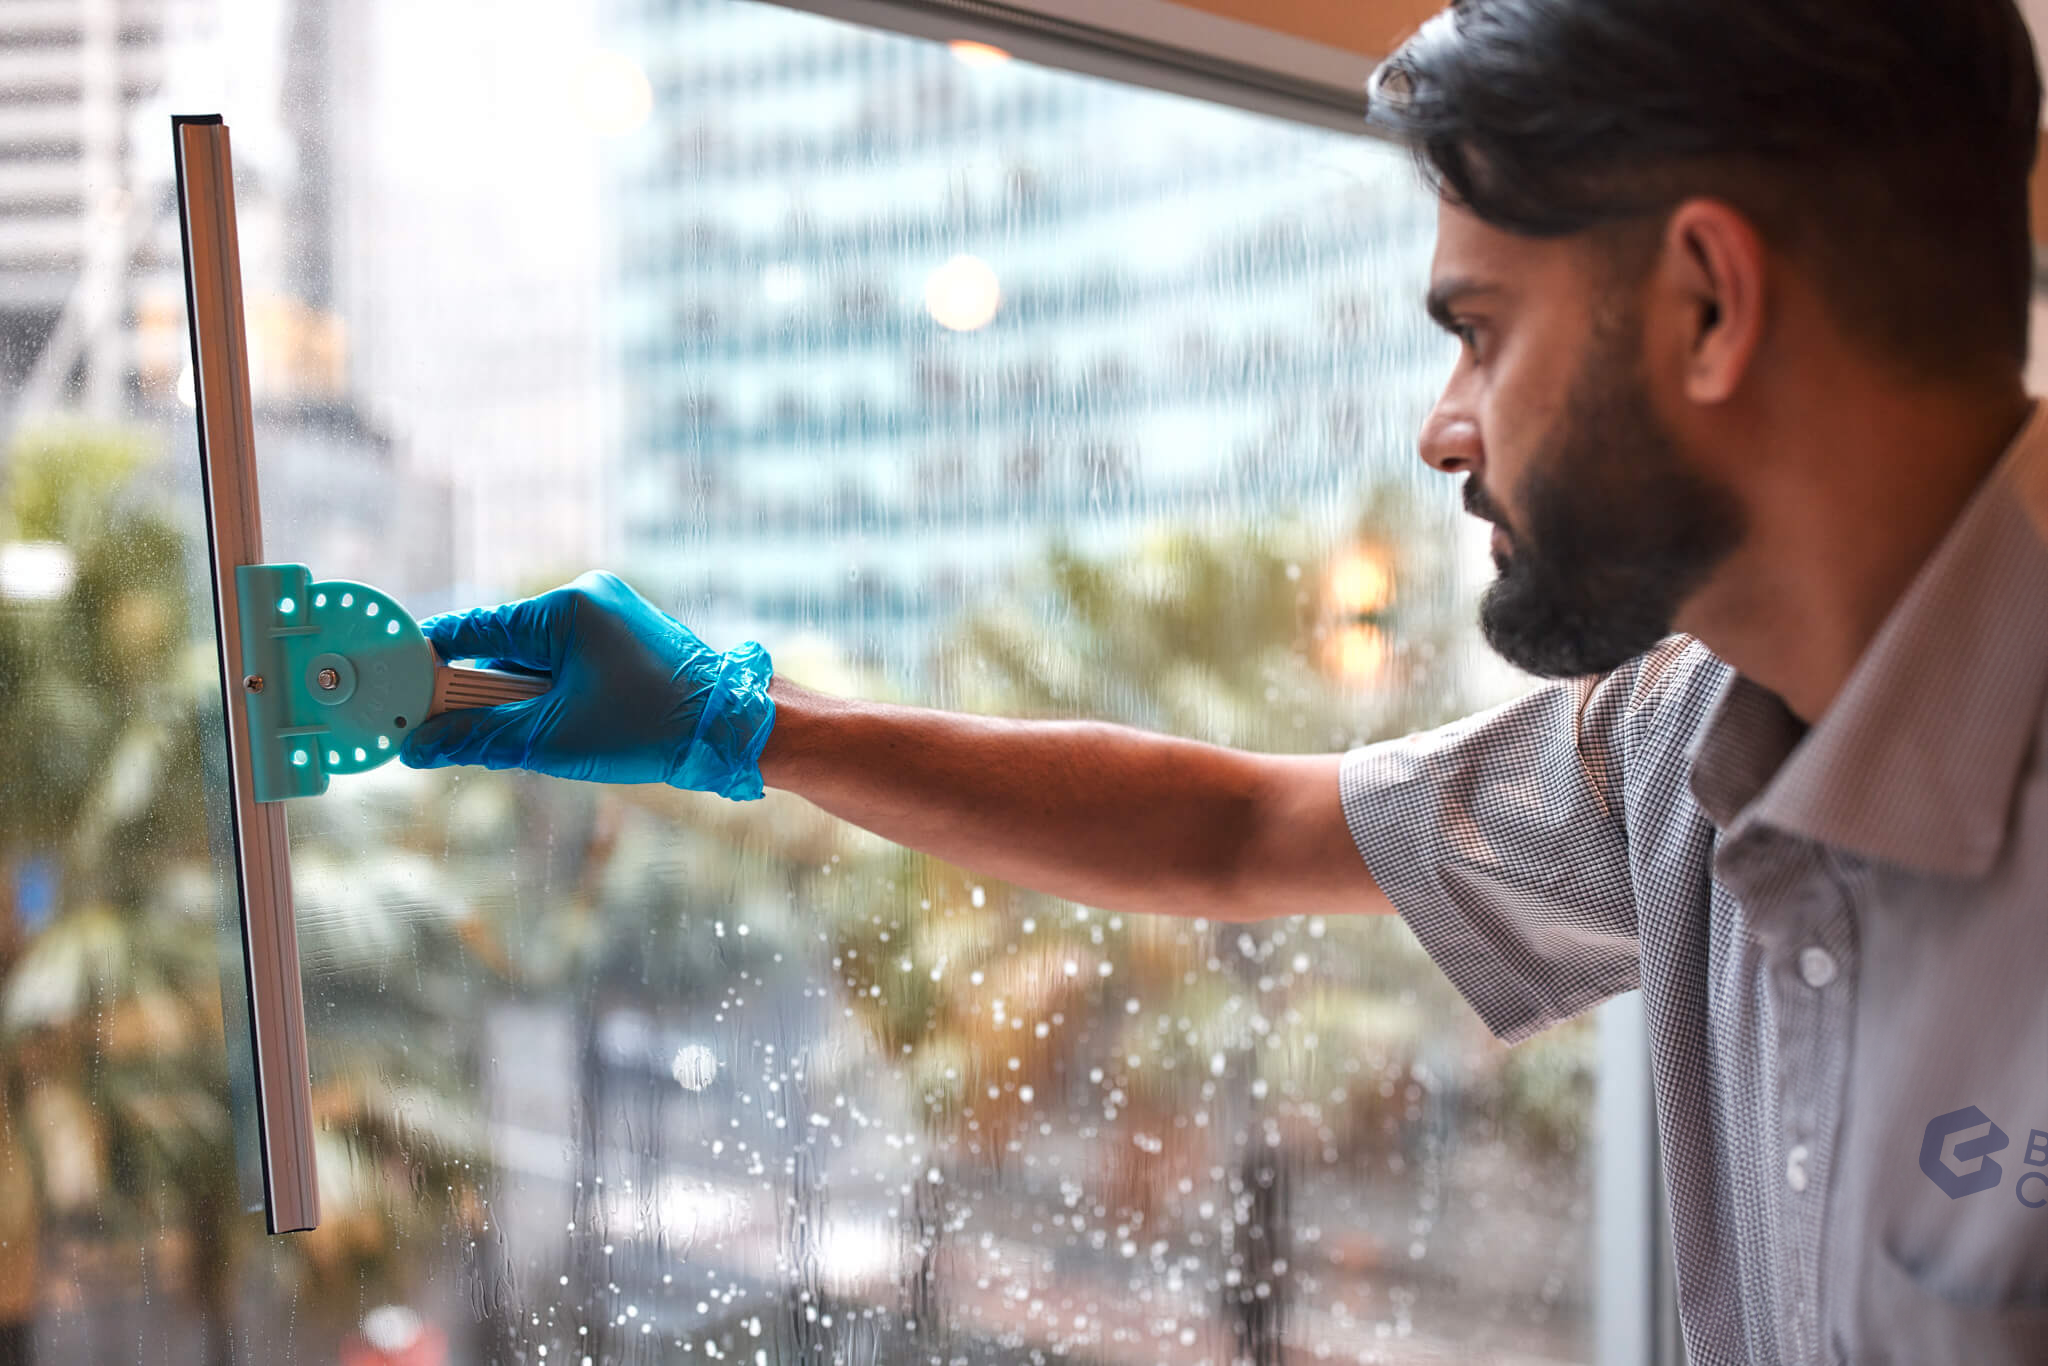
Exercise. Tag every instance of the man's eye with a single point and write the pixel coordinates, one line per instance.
(1466, 334)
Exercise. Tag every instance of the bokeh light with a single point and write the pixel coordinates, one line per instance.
(977, 55)
(1360, 584)
(963, 294)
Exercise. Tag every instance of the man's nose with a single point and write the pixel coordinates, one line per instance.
(1450, 440)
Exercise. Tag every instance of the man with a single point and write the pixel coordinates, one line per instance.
(1742, 288)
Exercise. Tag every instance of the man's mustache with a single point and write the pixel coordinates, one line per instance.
(1480, 505)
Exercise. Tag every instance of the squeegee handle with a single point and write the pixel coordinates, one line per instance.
(458, 686)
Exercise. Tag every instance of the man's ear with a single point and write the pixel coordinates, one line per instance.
(1711, 277)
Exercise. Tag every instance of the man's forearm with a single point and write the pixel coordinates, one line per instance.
(1097, 813)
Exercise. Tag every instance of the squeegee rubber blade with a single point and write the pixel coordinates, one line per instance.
(270, 960)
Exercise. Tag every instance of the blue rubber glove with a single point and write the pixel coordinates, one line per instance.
(637, 697)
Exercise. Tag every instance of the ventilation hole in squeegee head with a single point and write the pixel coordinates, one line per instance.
(399, 722)
(390, 628)
(370, 610)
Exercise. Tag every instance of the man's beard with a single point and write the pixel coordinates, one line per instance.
(1616, 530)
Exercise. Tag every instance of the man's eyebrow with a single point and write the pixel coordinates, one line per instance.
(1444, 293)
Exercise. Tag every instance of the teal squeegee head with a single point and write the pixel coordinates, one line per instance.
(333, 674)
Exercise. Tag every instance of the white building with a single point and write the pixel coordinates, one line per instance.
(465, 211)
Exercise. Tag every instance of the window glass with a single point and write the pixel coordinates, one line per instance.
(952, 380)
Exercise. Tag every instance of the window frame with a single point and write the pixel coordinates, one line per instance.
(1145, 43)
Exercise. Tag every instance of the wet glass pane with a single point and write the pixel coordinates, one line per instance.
(951, 379)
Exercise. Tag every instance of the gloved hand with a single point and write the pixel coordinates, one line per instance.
(637, 697)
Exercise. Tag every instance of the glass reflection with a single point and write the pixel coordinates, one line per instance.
(954, 380)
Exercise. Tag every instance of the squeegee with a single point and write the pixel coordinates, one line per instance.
(319, 678)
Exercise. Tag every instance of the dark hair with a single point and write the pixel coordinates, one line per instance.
(1885, 143)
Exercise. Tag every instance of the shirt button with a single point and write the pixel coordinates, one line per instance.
(1816, 965)
(1795, 1166)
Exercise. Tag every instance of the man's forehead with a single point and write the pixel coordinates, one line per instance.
(1474, 256)
(1466, 246)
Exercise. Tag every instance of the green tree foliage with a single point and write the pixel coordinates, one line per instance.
(114, 1120)
(997, 1000)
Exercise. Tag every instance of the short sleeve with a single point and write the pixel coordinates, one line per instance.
(1501, 841)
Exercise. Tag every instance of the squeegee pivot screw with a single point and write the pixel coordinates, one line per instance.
(253, 683)
(329, 679)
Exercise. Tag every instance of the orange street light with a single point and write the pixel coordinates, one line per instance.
(1357, 594)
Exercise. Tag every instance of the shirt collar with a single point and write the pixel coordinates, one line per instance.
(1917, 759)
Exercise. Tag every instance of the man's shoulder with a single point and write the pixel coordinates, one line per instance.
(1677, 679)
(1652, 709)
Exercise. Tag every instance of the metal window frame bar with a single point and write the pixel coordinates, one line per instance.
(1636, 1306)
(234, 534)
(1125, 40)
(1144, 43)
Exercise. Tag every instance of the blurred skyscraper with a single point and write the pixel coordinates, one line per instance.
(464, 200)
(72, 72)
(92, 319)
(887, 317)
